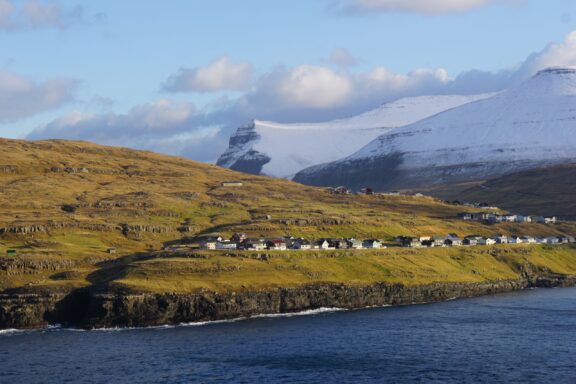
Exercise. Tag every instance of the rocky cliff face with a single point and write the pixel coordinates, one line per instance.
(88, 309)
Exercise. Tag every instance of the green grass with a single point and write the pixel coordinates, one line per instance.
(291, 269)
(135, 188)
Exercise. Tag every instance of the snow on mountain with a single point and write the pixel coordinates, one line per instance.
(281, 150)
(526, 126)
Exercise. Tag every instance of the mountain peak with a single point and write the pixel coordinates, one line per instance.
(557, 71)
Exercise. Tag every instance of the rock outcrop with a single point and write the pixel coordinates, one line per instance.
(92, 309)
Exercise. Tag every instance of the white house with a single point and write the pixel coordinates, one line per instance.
(501, 239)
(301, 244)
(372, 243)
(226, 245)
(354, 243)
(486, 241)
(324, 244)
(528, 240)
(551, 240)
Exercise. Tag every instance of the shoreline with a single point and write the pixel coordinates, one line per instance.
(89, 310)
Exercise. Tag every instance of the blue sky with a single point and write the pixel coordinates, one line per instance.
(178, 76)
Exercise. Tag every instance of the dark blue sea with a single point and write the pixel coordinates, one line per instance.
(522, 337)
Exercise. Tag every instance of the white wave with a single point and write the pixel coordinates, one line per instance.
(10, 331)
(307, 312)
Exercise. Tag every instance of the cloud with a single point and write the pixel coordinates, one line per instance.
(287, 94)
(305, 86)
(164, 126)
(431, 7)
(34, 14)
(22, 97)
(220, 75)
(342, 58)
(554, 54)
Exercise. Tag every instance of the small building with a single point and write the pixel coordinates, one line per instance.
(341, 190)
(371, 244)
(111, 250)
(254, 244)
(501, 239)
(323, 244)
(509, 218)
(301, 244)
(407, 241)
(354, 244)
(472, 240)
(232, 184)
(551, 240)
(226, 245)
(515, 240)
(523, 219)
(545, 220)
(528, 240)
(438, 241)
(565, 240)
(238, 237)
(486, 241)
(210, 242)
(276, 245)
(453, 242)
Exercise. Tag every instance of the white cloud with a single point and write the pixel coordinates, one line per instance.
(220, 75)
(164, 125)
(22, 97)
(342, 58)
(313, 86)
(286, 94)
(38, 14)
(417, 6)
(555, 54)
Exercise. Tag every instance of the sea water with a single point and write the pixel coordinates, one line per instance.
(521, 337)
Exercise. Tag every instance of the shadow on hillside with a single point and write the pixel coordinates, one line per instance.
(112, 270)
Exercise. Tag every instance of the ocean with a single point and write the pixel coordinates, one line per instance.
(520, 337)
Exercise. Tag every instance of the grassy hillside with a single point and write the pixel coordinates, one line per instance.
(544, 191)
(62, 204)
(222, 273)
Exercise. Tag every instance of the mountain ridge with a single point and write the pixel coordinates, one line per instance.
(528, 126)
(281, 150)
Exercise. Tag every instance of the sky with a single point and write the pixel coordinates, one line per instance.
(179, 76)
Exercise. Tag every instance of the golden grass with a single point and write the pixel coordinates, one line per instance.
(115, 187)
(221, 273)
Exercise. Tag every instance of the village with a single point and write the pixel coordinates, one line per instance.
(493, 217)
(242, 242)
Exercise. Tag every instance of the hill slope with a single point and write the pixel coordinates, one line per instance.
(281, 150)
(525, 127)
(62, 204)
(540, 191)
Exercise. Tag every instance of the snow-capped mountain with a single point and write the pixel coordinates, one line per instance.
(529, 125)
(281, 150)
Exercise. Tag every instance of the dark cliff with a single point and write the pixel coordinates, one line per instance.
(89, 309)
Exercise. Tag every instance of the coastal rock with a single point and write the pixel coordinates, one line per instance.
(92, 309)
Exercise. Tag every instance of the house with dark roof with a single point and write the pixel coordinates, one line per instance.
(354, 244)
(371, 244)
